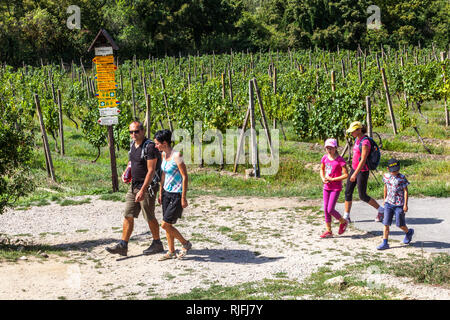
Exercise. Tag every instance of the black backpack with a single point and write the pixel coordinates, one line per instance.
(373, 159)
(157, 177)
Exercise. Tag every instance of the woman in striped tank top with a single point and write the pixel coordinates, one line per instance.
(172, 195)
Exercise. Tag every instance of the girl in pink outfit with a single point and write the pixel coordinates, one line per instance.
(332, 171)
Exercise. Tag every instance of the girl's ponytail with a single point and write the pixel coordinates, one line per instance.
(364, 129)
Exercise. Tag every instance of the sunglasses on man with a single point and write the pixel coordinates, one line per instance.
(134, 131)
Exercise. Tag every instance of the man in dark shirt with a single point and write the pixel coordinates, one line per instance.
(145, 164)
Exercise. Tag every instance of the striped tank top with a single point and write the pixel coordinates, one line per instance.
(173, 181)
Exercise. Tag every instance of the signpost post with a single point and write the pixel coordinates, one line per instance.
(103, 46)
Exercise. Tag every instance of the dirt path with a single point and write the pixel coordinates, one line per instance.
(235, 240)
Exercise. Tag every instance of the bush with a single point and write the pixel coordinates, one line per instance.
(15, 153)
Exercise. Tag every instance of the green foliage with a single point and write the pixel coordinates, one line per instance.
(16, 143)
(37, 29)
(93, 132)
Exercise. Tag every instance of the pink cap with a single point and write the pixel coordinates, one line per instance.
(331, 143)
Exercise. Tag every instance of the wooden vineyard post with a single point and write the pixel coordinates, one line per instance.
(223, 86)
(343, 68)
(333, 81)
(48, 155)
(389, 101)
(148, 123)
(359, 72)
(254, 147)
(263, 115)
(230, 84)
(163, 85)
(241, 140)
(61, 128)
(132, 95)
(112, 153)
(445, 81)
(107, 96)
(274, 84)
(369, 116)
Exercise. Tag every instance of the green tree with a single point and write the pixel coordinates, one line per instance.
(15, 152)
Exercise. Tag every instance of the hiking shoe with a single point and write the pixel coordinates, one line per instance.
(155, 247)
(383, 246)
(408, 236)
(168, 256)
(118, 249)
(327, 234)
(342, 227)
(186, 247)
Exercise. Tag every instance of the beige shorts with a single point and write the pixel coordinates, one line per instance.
(147, 205)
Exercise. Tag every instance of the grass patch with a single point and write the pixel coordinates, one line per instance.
(435, 271)
(313, 287)
(12, 250)
(198, 237)
(224, 230)
(240, 237)
(117, 196)
(70, 202)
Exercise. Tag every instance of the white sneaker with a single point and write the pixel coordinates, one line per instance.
(347, 217)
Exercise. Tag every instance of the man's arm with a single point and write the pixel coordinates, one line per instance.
(151, 168)
(405, 205)
(322, 173)
(385, 194)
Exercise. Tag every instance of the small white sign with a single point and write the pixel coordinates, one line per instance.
(108, 121)
(105, 112)
(103, 51)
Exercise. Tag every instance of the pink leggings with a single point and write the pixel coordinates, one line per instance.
(330, 198)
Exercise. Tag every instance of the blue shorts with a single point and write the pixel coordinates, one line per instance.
(389, 211)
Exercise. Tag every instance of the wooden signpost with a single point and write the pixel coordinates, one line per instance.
(103, 46)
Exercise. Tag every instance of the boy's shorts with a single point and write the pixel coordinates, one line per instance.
(147, 205)
(389, 211)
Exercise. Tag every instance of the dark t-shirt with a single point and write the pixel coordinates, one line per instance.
(139, 166)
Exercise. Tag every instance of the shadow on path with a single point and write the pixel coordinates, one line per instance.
(83, 245)
(430, 244)
(227, 256)
(220, 256)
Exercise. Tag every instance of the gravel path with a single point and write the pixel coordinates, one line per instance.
(235, 240)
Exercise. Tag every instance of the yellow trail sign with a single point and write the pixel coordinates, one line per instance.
(106, 68)
(108, 103)
(105, 77)
(103, 59)
(106, 94)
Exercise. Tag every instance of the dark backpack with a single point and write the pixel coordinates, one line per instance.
(157, 177)
(373, 159)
